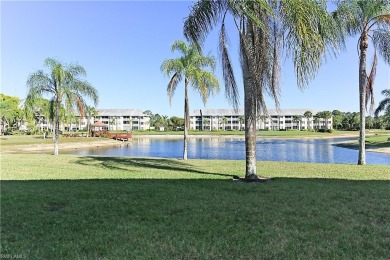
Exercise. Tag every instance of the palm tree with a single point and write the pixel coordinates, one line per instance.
(337, 118)
(64, 85)
(90, 111)
(224, 121)
(317, 121)
(305, 27)
(384, 105)
(241, 120)
(308, 115)
(298, 119)
(206, 122)
(369, 19)
(112, 122)
(190, 66)
(326, 115)
(263, 119)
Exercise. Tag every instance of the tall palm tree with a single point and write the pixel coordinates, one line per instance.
(308, 115)
(370, 21)
(64, 85)
(190, 66)
(305, 29)
(384, 105)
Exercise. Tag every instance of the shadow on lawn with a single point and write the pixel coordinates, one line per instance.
(121, 163)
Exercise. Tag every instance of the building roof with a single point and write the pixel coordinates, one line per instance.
(120, 112)
(99, 124)
(240, 112)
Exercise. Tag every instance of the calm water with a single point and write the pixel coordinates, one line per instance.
(300, 150)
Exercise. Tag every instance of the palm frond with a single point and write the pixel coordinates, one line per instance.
(203, 16)
(51, 63)
(383, 105)
(76, 70)
(231, 89)
(348, 17)
(370, 84)
(172, 66)
(179, 46)
(310, 33)
(176, 78)
(205, 83)
(201, 61)
(84, 88)
(251, 10)
(276, 40)
(381, 41)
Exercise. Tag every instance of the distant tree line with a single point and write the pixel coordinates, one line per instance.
(158, 121)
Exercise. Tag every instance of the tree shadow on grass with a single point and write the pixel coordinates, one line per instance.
(123, 163)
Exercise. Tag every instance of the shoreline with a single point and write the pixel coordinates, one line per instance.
(48, 148)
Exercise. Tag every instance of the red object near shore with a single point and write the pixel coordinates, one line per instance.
(120, 136)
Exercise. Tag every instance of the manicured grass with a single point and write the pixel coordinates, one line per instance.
(71, 207)
(372, 142)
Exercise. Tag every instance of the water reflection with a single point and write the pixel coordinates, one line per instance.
(232, 148)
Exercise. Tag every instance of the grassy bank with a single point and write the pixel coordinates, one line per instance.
(135, 208)
(372, 142)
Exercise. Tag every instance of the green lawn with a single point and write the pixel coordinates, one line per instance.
(71, 207)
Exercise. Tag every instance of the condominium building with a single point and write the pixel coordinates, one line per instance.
(114, 119)
(282, 119)
(120, 119)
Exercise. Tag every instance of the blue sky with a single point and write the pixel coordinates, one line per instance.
(122, 45)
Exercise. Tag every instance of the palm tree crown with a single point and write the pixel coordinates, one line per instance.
(190, 66)
(64, 85)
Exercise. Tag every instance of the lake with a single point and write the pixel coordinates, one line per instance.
(233, 148)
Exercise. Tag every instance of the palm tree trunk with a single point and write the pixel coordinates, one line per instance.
(87, 126)
(362, 99)
(56, 127)
(250, 126)
(186, 119)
